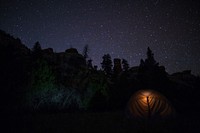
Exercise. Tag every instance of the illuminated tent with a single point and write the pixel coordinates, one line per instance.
(149, 103)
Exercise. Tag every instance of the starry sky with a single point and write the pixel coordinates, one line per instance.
(122, 28)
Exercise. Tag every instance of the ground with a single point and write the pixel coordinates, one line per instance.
(96, 122)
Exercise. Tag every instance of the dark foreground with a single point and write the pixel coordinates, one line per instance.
(96, 122)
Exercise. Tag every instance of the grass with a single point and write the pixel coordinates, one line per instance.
(113, 122)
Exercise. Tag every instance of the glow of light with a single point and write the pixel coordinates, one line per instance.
(146, 93)
(147, 103)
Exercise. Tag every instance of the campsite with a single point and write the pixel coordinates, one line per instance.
(100, 66)
(63, 92)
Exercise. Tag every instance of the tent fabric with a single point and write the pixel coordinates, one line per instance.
(149, 103)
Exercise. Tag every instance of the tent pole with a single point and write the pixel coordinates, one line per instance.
(149, 109)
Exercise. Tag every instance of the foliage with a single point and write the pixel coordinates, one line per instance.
(36, 51)
(96, 84)
(85, 52)
(125, 65)
(44, 92)
(66, 98)
(37, 47)
(42, 76)
(150, 74)
(42, 83)
(89, 64)
(150, 61)
(107, 64)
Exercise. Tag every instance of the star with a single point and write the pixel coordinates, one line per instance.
(122, 28)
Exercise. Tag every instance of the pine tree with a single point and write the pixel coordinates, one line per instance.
(36, 47)
(125, 65)
(150, 61)
(150, 73)
(37, 51)
(85, 52)
(89, 64)
(107, 64)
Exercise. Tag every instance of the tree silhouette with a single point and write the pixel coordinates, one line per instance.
(37, 47)
(41, 85)
(150, 61)
(117, 68)
(36, 51)
(125, 65)
(150, 73)
(85, 52)
(89, 64)
(107, 64)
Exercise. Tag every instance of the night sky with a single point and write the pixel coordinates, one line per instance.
(122, 28)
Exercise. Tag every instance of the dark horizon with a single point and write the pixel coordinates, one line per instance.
(124, 29)
(99, 66)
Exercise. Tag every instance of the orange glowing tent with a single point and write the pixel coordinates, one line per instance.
(149, 103)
